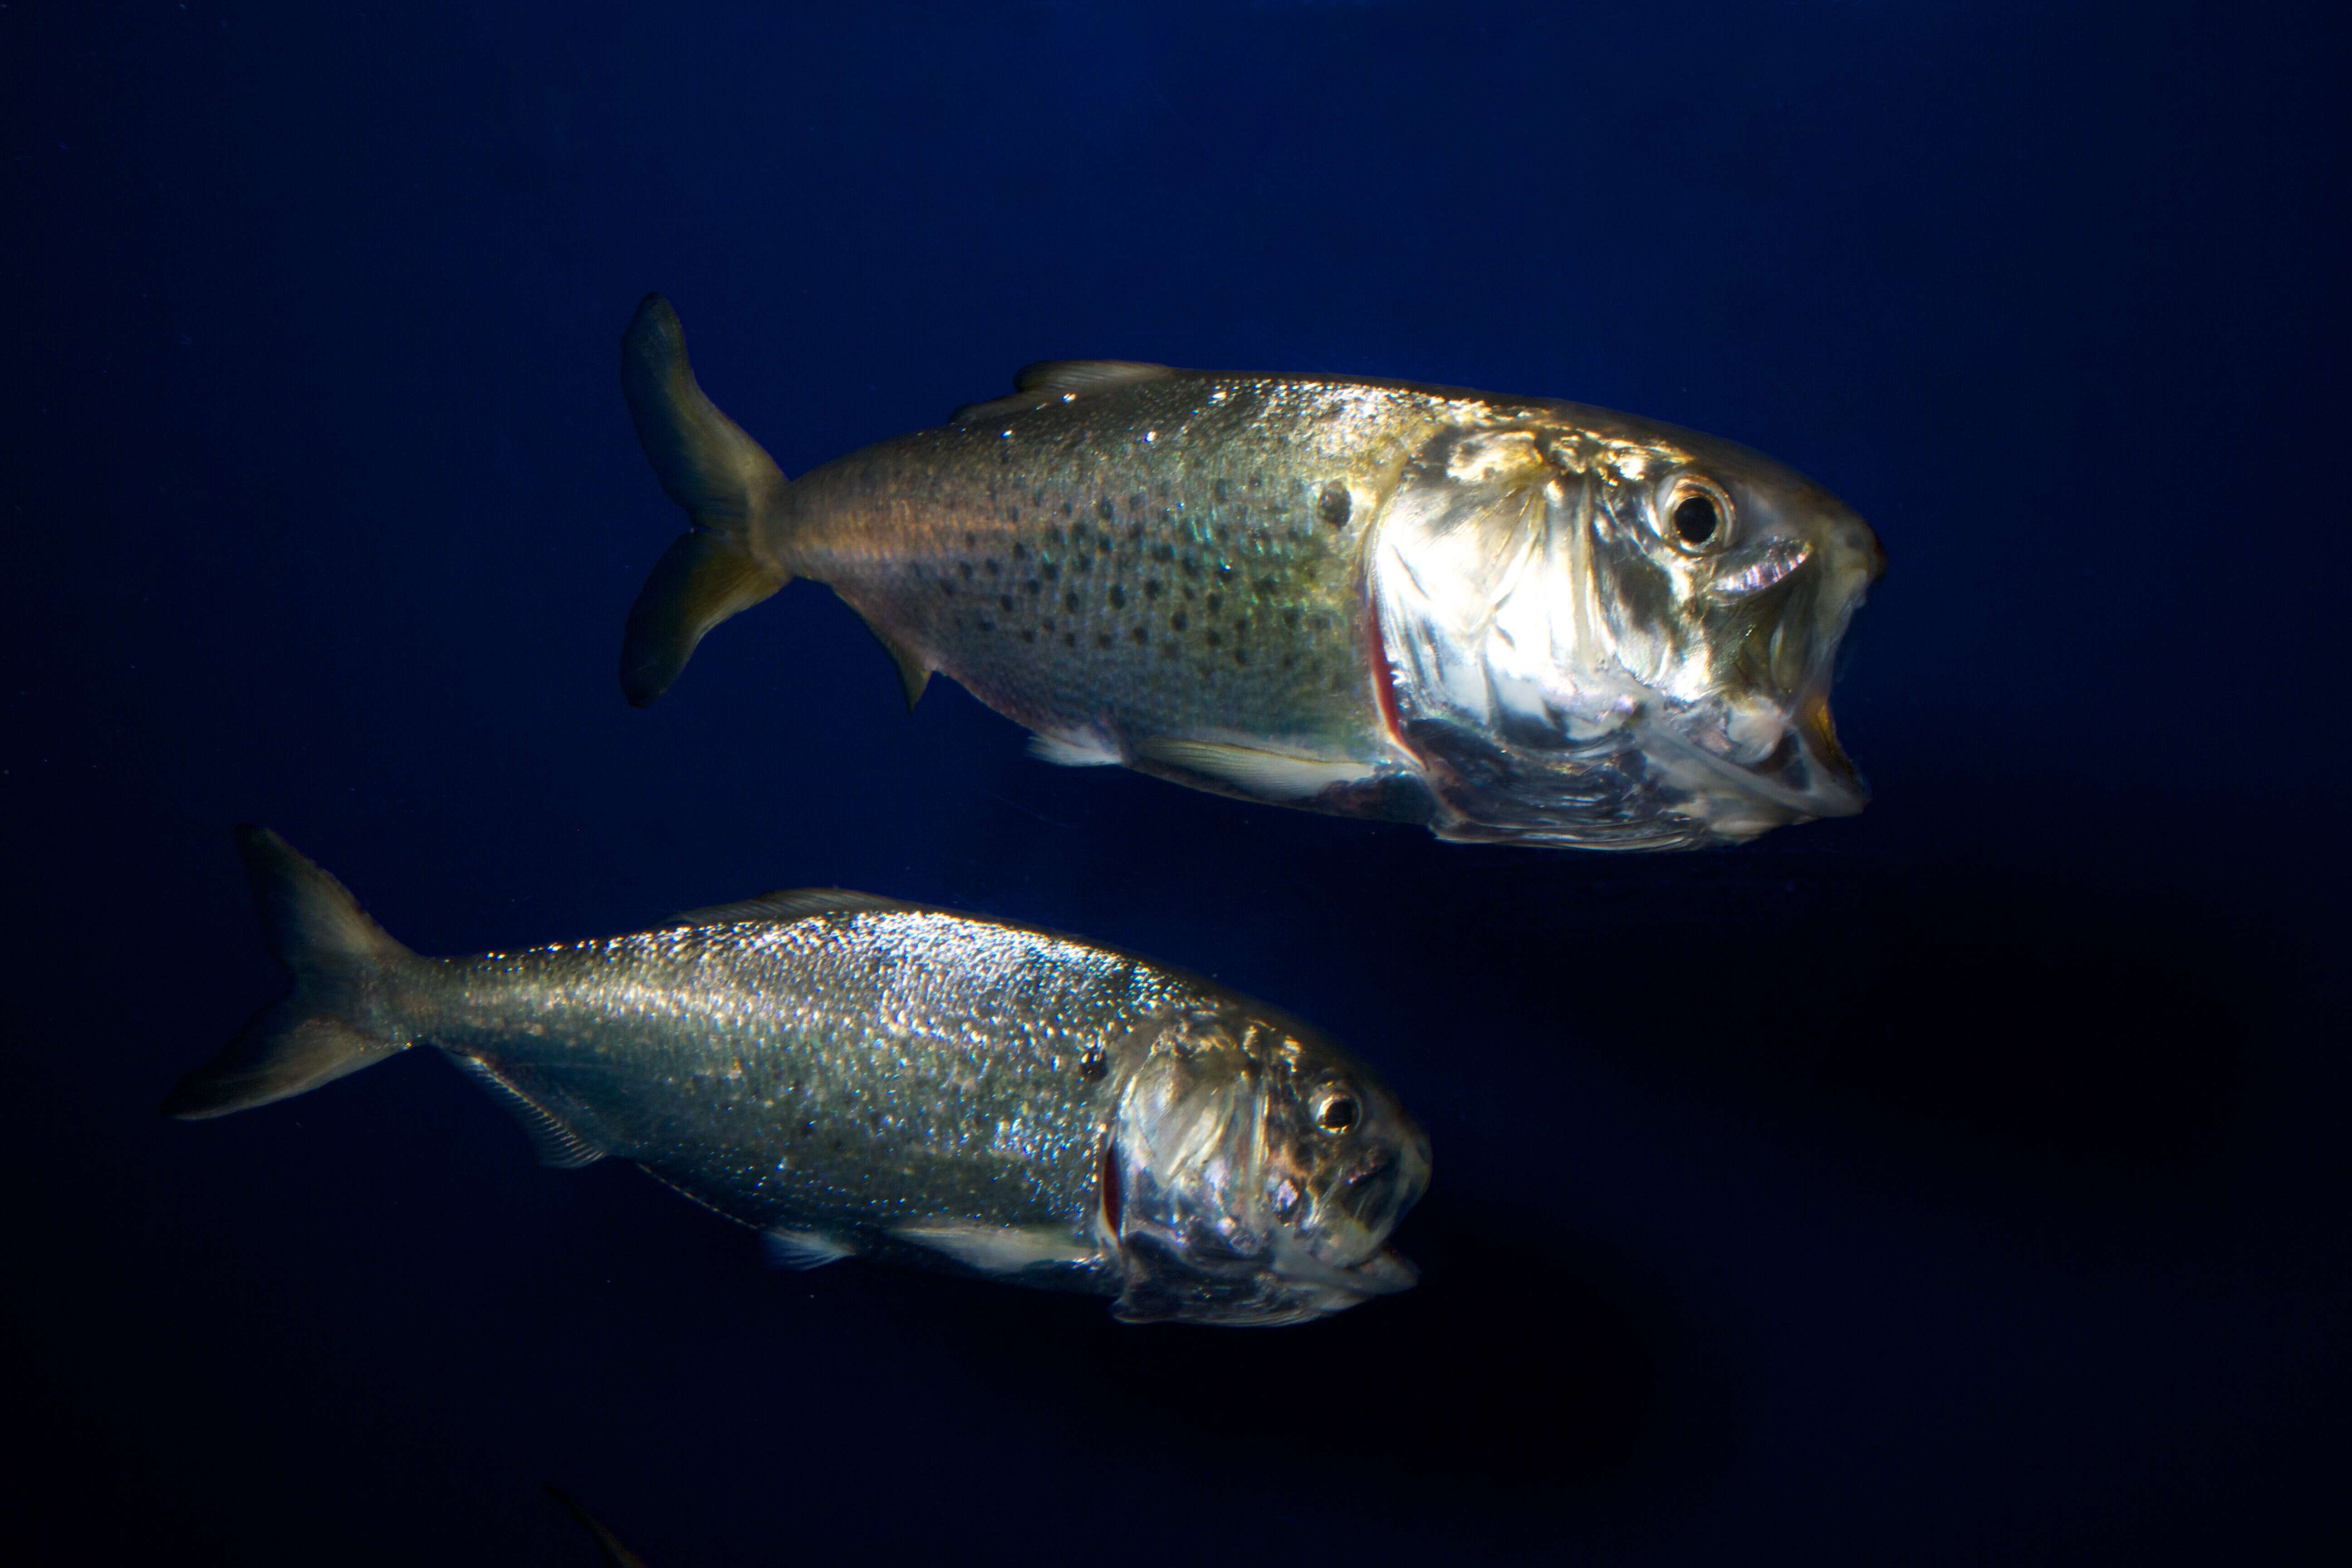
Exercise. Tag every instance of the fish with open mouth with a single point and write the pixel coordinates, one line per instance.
(1515, 620)
(854, 1076)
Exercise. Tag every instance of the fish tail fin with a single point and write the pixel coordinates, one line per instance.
(338, 1018)
(727, 484)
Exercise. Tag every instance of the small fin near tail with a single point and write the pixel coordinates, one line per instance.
(334, 1021)
(727, 486)
(1059, 381)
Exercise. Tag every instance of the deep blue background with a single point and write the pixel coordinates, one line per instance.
(1958, 1183)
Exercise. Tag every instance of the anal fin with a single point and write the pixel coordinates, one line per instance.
(802, 1248)
(914, 670)
(552, 1139)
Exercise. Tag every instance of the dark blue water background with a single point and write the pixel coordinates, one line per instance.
(1960, 1183)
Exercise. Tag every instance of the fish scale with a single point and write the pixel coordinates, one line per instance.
(1065, 571)
(827, 1071)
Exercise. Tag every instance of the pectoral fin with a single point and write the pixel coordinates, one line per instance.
(998, 1248)
(1265, 775)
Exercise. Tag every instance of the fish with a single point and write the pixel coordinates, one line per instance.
(854, 1076)
(1513, 620)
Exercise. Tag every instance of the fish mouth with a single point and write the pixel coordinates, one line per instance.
(1774, 740)
(1384, 1273)
(1814, 765)
(1290, 1285)
(1819, 729)
(1381, 1274)
(1773, 731)
(1806, 776)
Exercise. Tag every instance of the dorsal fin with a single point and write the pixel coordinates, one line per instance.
(999, 408)
(1035, 386)
(788, 904)
(1085, 374)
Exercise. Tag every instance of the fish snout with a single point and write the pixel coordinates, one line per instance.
(1817, 733)
(1384, 1274)
(1381, 1272)
(1809, 768)
(1780, 698)
(1855, 559)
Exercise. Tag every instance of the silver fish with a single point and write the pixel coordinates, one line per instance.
(856, 1076)
(1513, 619)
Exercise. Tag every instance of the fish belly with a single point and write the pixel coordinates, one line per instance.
(1180, 560)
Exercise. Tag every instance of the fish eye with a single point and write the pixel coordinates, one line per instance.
(1697, 516)
(1337, 1113)
(1696, 519)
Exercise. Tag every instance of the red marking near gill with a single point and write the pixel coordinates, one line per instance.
(1383, 678)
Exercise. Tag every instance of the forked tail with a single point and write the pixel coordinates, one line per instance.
(340, 1015)
(725, 482)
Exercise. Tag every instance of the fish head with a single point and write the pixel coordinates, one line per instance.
(1252, 1174)
(1605, 632)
